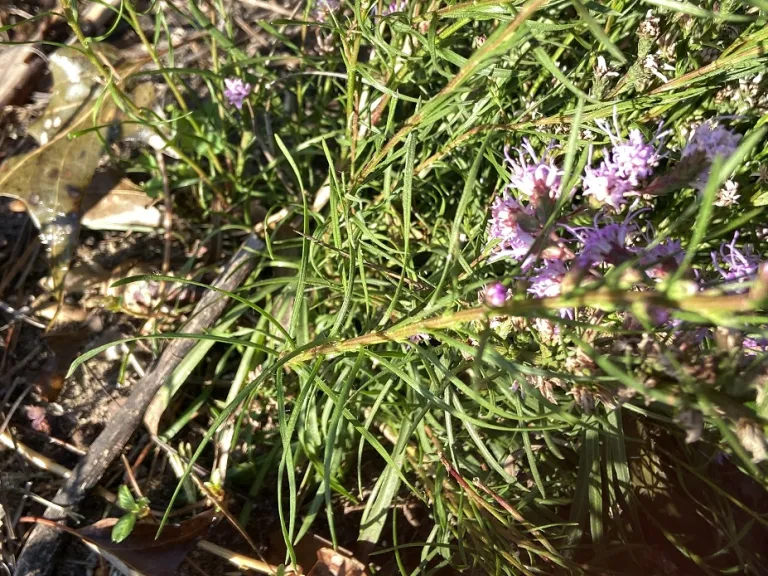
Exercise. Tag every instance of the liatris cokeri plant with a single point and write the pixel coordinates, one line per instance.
(630, 171)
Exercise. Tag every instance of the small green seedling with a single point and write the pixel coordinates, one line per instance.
(134, 509)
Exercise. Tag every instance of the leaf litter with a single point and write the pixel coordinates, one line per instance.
(143, 551)
(80, 120)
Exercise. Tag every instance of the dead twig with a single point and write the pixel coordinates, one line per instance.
(45, 463)
(37, 554)
(237, 559)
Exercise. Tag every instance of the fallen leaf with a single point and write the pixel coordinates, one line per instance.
(140, 553)
(63, 313)
(19, 64)
(112, 203)
(316, 552)
(144, 96)
(52, 178)
(332, 563)
(65, 347)
(22, 64)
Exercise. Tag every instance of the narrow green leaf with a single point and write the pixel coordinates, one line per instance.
(592, 444)
(597, 31)
(384, 492)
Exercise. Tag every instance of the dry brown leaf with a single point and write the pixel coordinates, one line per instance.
(140, 554)
(51, 179)
(332, 563)
(316, 552)
(111, 203)
(19, 64)
(65, 347)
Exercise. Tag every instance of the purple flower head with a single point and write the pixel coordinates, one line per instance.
(609, 243)
(635, 159)
(624, 167)
(547, 281)
(662, 259)
(736, 265)
(421, 337)
(712, 141)
(606, 184)
(753, 346)
(495, 294)
(395, 6)
(511, 223)
(236, 91)
(537, 179)
(658, 316)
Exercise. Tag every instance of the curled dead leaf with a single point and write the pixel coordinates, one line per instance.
(141, 554)
(112, 203)
(316, 556)
(332, 563)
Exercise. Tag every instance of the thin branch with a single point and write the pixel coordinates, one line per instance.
(36, 557)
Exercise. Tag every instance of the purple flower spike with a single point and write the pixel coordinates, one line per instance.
(635, 159)
(547, 281)
(236, 91)
(537, 179)
(753, 346)
(605, 244)
(509, 221)
(624, 167)
(712, 141)
(495, 294)
(736, 265)
(606, 185)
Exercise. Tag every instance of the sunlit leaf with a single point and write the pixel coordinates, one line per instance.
(51, 179)
(125, 498)
(123, 528)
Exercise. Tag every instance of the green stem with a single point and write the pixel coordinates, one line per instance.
(486, 51)
(600, 299)
(121, 97)
(169, 81)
